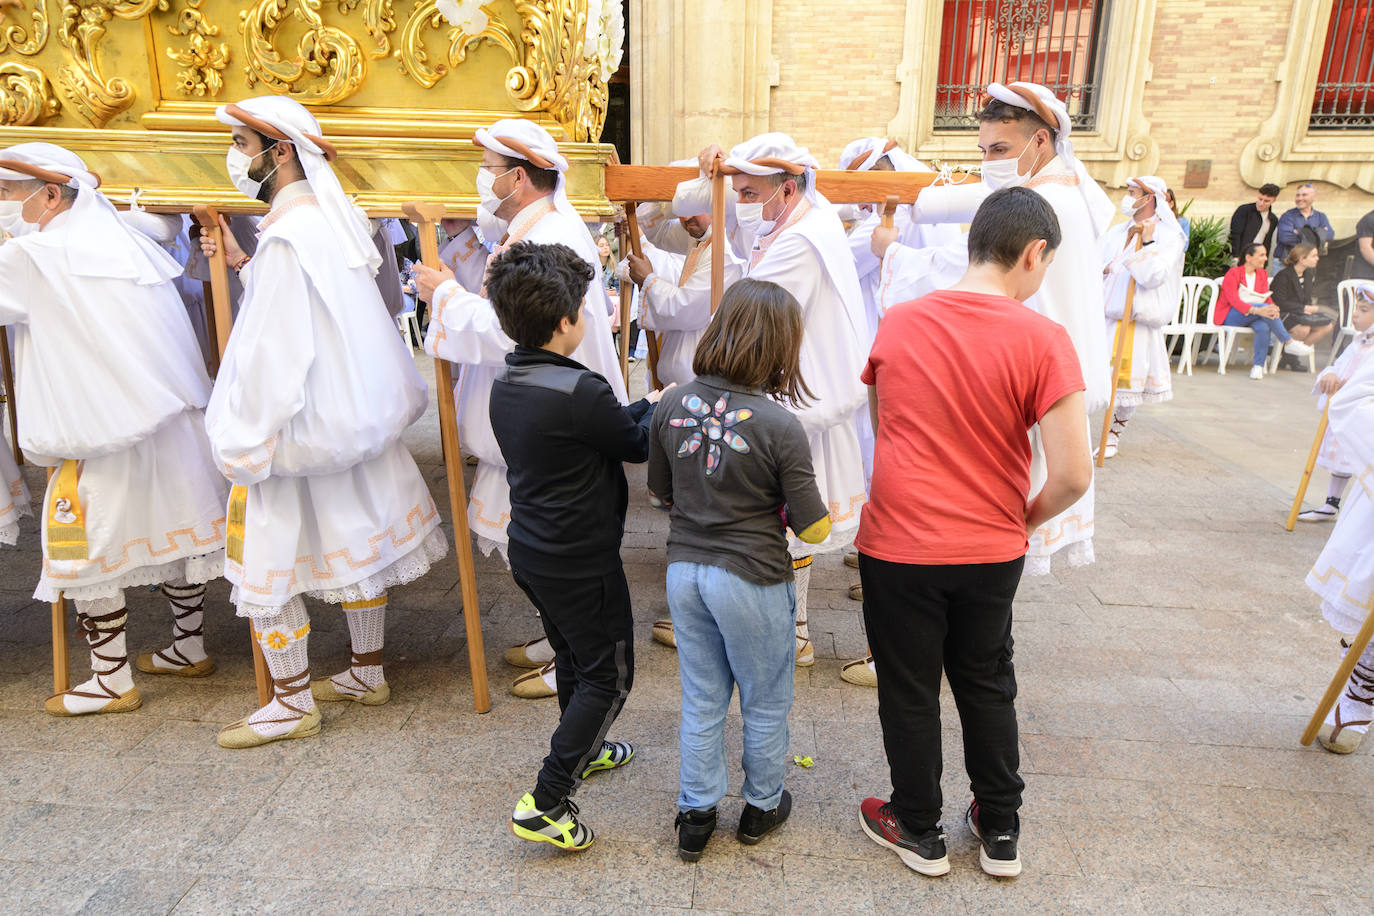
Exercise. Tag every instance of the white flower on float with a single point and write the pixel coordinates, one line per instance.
(467, 15)
(595, 13)
(610, 48)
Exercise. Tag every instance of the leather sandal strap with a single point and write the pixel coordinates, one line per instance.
(367, 659)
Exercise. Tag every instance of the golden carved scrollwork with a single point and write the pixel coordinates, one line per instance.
(96, 97)
(414, 58)
(26, 96)
(330, 64)
(379, 19)
(203, 58)
(28, 42)
(558, 75)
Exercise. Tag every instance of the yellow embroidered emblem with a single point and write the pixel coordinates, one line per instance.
(238, 516)
(66, 517)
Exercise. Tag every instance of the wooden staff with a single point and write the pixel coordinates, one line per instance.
(61, 673)
(1307, 472)
(11, 406)
(623, 311)
(1333, 690)
(1124, 328)
(890, 211)
(651, 339)
(719, 236)
(221, 315)
(426, 219)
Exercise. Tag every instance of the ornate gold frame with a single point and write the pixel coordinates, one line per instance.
(132, 85)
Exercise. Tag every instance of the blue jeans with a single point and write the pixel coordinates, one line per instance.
(1262, 327)
(730, 631)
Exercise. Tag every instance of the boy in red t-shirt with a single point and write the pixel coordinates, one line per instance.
(957, 379)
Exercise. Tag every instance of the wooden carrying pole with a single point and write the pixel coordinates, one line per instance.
(622, 307)
(650, 338)
(11, 406)
(219, 308)
(1307, 472)
(1123, 329)
(61, 673)
(426, 219)
(1333, 690)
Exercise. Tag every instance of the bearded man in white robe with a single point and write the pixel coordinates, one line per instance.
(314, 393)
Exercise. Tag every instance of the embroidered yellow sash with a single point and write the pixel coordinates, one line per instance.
(66, 517)
(238, 515)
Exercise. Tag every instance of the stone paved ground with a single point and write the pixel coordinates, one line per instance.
(1162, 694)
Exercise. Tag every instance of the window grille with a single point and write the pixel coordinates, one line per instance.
(1344, 97)
(1052, 42)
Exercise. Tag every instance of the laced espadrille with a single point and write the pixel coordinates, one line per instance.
(242, 735)
(347, 685)
(662, 632)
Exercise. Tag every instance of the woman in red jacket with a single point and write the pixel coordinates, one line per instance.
(1244, 302)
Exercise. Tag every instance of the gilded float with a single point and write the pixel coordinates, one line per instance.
(399, 84)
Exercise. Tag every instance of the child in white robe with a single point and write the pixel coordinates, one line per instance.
(1343, 575)
(14, 496)
(1332, 458)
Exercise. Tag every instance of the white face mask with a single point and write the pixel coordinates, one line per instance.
(1005, 173)
(238, 163)
(750, 217)
(12, 220)
(1129, 205)
(486, 189)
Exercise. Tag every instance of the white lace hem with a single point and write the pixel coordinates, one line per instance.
(487, 546)
(406, 568)
(195, 570)
(1079, 553)
(1136, 398)
(9, 534)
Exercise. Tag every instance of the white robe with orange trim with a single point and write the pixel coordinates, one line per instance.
(14, 496)
(1343, 575)
(463, 329)
(109, 375)
(1332, 456)
(1157, 271)
(808, 257)
(313, 396)
(466, 256)
(677, 304)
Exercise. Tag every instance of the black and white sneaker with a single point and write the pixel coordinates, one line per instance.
(755, 823)
(558, 825)
(694, 829)
(923, 853)
(997, 851)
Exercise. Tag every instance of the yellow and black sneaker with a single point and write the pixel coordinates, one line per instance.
(613, 754)
(558, 825)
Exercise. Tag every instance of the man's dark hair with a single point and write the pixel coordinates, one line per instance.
(1008, 221)
(265, 142)
(542, 179)
(1270, 190)
(532, 287)
(997, 110)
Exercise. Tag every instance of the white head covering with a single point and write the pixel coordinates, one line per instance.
(1164, 213)
(863, 155)
(105, 247)
(518, 138)
(286, 119)
(773, 154)
(1036, 98)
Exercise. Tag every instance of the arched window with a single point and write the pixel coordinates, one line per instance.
(1344, 94)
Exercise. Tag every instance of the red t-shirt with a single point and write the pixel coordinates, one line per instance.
(961, 377)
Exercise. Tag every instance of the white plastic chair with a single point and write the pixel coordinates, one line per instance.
(409, 326)
(1186, 323)
(1345, 298)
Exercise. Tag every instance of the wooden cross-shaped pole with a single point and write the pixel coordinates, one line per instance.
(650, 338)
(426, 219)
(1307, 472)
(11, 406)
(220, 310)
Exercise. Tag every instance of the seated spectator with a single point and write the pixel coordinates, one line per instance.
(1181, 220)
(1255, 222)
(1303, 223)
(1295, 294)
(1244, 302)
(1364, 264)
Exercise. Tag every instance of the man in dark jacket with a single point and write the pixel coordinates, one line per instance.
(1255, 222)
(564, 436)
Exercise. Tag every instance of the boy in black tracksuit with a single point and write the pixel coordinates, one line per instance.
(564, 436)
